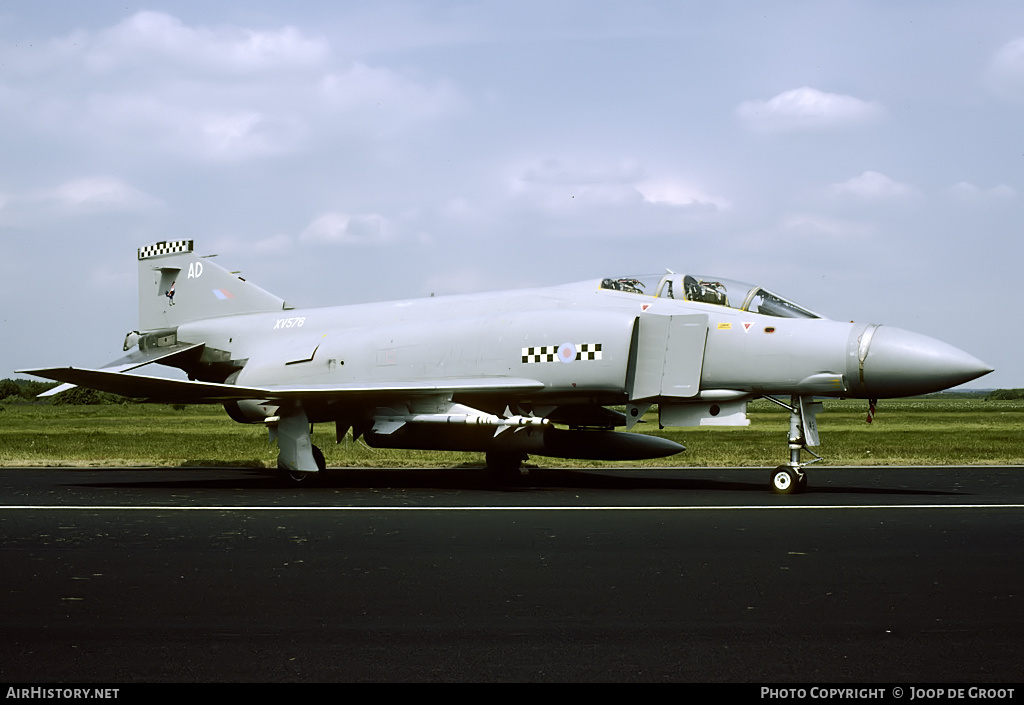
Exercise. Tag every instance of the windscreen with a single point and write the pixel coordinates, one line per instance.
(710, 290)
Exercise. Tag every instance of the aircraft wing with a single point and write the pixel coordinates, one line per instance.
(184, 391)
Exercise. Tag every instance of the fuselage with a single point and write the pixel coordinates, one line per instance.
(584, 343)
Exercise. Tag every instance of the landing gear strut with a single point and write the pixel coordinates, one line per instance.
(803, 432)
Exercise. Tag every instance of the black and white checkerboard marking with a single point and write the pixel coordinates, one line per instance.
(165, 248)
(549, 353)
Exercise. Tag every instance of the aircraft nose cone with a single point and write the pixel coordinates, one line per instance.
(900, 363)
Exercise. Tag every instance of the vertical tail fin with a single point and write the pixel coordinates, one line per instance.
(177, 286)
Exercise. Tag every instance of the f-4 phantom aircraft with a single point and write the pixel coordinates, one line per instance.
(509, 374)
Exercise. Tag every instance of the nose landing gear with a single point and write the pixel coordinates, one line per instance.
(803, 432)
(788, 480)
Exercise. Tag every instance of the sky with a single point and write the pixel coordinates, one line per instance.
(864, 159)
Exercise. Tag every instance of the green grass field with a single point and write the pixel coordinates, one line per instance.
(905, 432)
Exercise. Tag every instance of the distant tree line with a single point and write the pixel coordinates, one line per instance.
(22, 391)
(13, 390)
(1007, 394)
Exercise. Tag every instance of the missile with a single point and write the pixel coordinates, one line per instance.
(387, 421)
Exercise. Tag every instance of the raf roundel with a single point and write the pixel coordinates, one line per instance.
(566, 352)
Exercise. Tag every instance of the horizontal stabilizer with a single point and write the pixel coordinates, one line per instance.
(140, 386)
(184, 391)
(135, 359)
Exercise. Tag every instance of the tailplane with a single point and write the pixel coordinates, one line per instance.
(177, 286)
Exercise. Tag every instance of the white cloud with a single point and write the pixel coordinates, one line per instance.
(99, 193)
(1006, 70)
(674, 192)
(206, 94)
(344, 229)
(221, 129)
(966, 192)
(384, 99)
(158, 37)
(873, 186)
(553, 184)
(807, 108)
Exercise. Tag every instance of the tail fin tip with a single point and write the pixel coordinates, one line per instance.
(164, 247)
(177, 286)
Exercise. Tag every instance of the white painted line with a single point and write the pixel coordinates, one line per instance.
(395, 508)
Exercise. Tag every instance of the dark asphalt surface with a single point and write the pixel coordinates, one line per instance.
(886, 575)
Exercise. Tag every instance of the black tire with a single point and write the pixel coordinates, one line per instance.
(318, 457)
(305, 479)
(784, 480)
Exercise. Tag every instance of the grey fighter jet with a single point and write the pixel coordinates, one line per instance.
(509, 374)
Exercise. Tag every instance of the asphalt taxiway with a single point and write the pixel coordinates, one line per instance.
(203, 574)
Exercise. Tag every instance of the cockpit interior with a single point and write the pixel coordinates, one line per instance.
(711, 290)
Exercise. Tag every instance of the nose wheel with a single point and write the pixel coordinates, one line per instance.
(803, 432)
(787, 480)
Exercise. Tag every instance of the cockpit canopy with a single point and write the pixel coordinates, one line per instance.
(711, 290)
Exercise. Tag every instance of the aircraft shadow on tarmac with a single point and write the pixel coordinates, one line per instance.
(475, 478)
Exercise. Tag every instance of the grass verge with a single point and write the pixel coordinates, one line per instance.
(904, 432)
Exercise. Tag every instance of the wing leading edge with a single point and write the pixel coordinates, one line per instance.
(186, 391)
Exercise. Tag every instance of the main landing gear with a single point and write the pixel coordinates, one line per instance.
(505, 467)
(803, 432)
(293, 477)
(299, 461)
